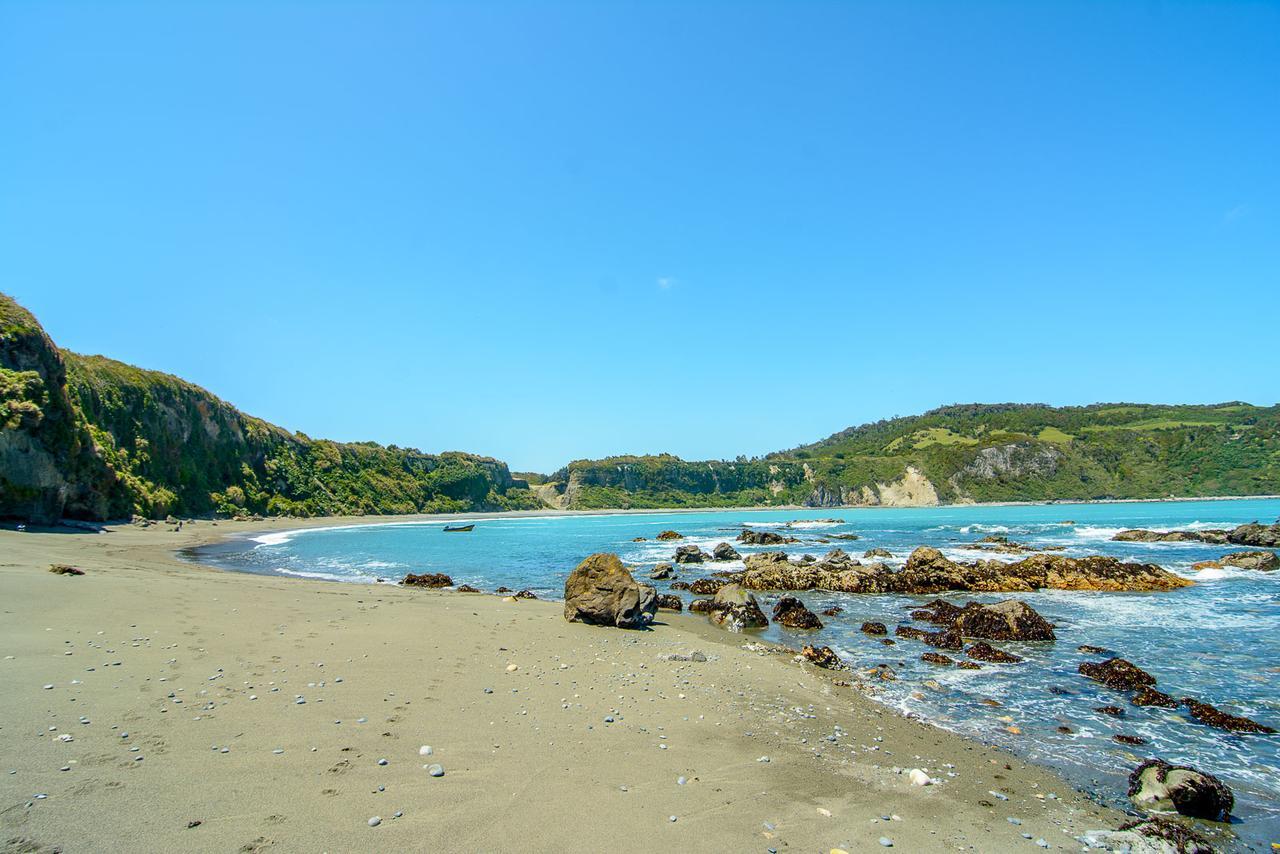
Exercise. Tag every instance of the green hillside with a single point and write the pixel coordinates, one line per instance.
(91, 438)
(978, 452)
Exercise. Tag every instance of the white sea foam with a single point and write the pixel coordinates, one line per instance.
(327, 576)
(275, 538)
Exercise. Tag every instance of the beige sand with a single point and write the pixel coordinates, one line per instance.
(532, 766)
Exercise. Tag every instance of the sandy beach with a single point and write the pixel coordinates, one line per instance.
(154, 704)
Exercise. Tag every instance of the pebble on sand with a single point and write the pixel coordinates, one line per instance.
(425, 750)
(436, 770)
(918, 777)
(375, 821)
(886, 842)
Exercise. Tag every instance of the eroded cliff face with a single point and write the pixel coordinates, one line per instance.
(49, 467)
(913, 489)
(1015, 461)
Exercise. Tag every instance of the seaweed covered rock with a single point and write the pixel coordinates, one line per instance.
(872, 628)
(736, 609)
(1148, 696)
(526, 594)
(724, 551)
(1214, 717)
(984, 651)
(792, 613)
(938, 659)
(1150, 836)
(65, 569)
(705, 586)
(427, 579)
(1118, 674)
(702, 606)
(946, 639)
(1008, 620)
(601, 591)
(690, 554)
(670, 535)
(1192, 792)
(467, 588)
(670, 602)
(938, 612)
(823, 656)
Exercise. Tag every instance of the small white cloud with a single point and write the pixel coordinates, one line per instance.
(1235, 213)
(666, 283)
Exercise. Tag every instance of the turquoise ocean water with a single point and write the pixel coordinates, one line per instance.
(1218, 641)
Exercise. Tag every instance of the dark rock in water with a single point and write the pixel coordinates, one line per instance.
(701, 606)
(832, 611)
(690, 554)
(467, 588)
(663, 571)
(427, 579)
(1128, 739)
(65, 569)
(503, 590)
(601, 591)
(848, 537)
(1141, 535)
(1114, 711)
(1210, 716)
(938, 612)
(984, 651)
(1065, 730)
(1253, 534)
(888, 641)
(877, 552)
(946, 639)
(875, 628)
(1169, 837)
(1093, 650)
(705, 586)
(1009, 620)
(724, 551)
(823, 656)
(1059, 691)
(670, 602)
(792, 613)
(639, 539)
(968, 665)
(753, 537)
(670, 535)
(1192, 792)
(736, 609)
(1148, 696)
(937, 658)
(680, 585)
(526, 594)
(1118, 674)
(929, 571)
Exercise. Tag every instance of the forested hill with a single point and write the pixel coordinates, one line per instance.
(978, 452)
(90, 438)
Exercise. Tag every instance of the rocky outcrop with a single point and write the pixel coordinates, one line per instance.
(724, 551)
(877, 552)
(736, 609)
(1192, 792)
(1149, 696)
(1014, 461)
(1261, 561)
(792, 613)
(984, 651)
(1009, 620)
(1253, 534)
(1142, 535)
(752, 537)
(706, 586)
(938, 659)
(670, 535)
(663, 571)
(1150, 836)
(874, 629)
(690, 554)
(1117, 674)
(427, 579)
(823, 656)
(701, 606)
(601, 591)
(947, 639)
(670, 602)
(1210, 716)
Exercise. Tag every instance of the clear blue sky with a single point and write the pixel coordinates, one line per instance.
(563, 230)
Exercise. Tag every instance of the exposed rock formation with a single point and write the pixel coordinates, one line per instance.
(1009, 620)
(724, 551)
(1192, 792)
(670, 602)
(938, 659)
(874, 629)
(792, 613)
(1251, 534)
(947, 639)
(752, 537)
(706, 586)
(690, 554)
(670, 535)
(1262, 561)
(877, 552)
(736, 609)
(1117, 674)
(601, 591)
(984, 651)
(1210, 716)
(663, 571)
(823, 656)
(427, 579)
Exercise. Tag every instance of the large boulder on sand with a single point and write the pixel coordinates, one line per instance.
(736, 609)
(601, 591)
(1192, 792)
(427, 579)
(1008, 620)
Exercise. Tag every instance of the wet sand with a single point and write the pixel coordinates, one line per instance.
(173, 654)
